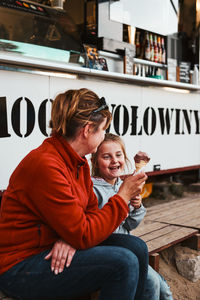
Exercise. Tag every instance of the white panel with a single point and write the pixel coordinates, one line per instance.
(15, 85)
(172, 150)
(106, 27)
(169, 149)
(153, 15)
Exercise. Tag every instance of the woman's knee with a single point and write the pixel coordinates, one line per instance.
(126, 262)
(130, 242)
(139, 246)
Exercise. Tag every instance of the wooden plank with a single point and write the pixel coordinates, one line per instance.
(147, 227)
(170, 239)
(160, 233)
(189, 219)
(172, 204)
(175, 210)
(192, 212)
(194, 223)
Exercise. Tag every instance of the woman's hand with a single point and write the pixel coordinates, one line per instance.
(132, 186)
(136, 202)
(61, 255)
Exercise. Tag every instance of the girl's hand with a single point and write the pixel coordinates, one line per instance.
(136, 202)
(61, 255)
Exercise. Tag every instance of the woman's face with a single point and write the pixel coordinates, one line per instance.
(111, 161)
(96, 137)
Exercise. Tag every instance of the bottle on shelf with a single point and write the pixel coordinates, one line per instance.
(155, 49)
(137, 44)
(151, 47)
(159, 50)
(195, 77)
(147, 47)
(163, 50)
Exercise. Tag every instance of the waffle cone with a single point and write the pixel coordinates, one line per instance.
(140, 165)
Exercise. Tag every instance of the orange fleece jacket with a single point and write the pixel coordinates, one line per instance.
(50, 197)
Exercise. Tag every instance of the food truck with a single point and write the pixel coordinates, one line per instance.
(45, 49)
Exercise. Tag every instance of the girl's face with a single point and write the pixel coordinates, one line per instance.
(110, 161)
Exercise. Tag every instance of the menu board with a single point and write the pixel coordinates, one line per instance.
(184, 72)
(171, 69)
(128, 61)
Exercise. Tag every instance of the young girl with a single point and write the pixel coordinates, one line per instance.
(108, 165)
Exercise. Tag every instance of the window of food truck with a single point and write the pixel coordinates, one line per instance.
(30, 29)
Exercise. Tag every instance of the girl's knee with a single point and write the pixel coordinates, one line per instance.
(153, 279)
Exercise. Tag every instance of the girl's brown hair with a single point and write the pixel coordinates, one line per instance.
(94, 157)
(74, 109)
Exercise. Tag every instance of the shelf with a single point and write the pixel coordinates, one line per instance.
(149, 63)
(16, 62)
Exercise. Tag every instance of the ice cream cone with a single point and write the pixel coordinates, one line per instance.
(140, 165)
(141, 159)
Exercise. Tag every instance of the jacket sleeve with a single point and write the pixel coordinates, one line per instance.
(82, 226)
(134, 218)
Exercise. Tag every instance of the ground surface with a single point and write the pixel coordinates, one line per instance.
(182, 288)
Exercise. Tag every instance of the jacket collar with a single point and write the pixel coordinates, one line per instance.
(70, 156)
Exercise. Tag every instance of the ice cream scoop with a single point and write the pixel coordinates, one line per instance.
(141, 159)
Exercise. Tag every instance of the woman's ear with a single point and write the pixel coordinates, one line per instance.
(87, 129)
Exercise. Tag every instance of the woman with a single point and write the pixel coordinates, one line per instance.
(108, 165)
(50, 200)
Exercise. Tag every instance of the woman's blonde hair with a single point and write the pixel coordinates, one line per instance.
(94, 157)
(74, 109)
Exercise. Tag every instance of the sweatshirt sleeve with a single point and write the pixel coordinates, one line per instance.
(134, 218)
(56, 204)
(99, 197)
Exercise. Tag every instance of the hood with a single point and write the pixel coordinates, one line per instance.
(98, 181)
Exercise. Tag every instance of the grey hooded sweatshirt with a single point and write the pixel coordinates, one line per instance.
(104, 191)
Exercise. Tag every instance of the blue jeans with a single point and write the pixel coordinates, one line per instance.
(118, 267)
(156, 287)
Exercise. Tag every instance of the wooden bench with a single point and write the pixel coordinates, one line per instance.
(169, 224)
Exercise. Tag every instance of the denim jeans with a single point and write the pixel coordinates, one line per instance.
(165, 292)
(118, 267)
(156, 287)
